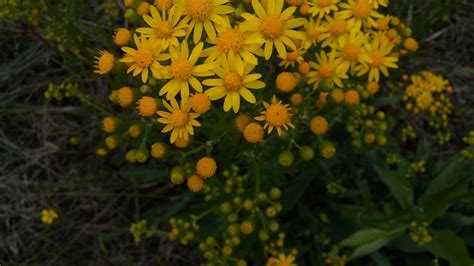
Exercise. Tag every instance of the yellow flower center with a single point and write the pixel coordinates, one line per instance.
(377, 58)
(326, 70)
(271, 27)
(292, 56)
(361, 9)
(199, 9)
(323, 3)
(312, 33)
(163, 30)
(338, 27)
(232, 81)
(350, 51)
(179, 118)
(143, 57)
(230, 40)
(181, 69)
(277, 115)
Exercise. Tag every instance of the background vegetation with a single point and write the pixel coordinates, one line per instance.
(98, 199)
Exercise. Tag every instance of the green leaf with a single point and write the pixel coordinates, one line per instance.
(447, 245)
(436, 204)
(446, 178)
(398, 186)
(366, 241)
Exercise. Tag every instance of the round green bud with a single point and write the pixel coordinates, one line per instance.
(286, 158)
(263, 235)
(232, 218)
(273, 226)
(234, 229)
(262, 197)
(307, 153)
(270, 212)
(248, 204)
(226, 208)
(275, 193)
(132, 16)
(177, 175)
(326, 85)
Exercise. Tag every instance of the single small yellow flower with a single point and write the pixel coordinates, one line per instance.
(286, 81)
(234, 80)
(360, 12)
(109, 124)
(179, 119)
(322, 8)
(122, 36)
(275, 25)
(377, 59)
(285, 260)
(104, 62)
(276, 115)
(206, 167)
(147, 106)
(253, 132)
(145, 58)
(48, 216)
(334, 29)
(195, 183)
(205, 14)
(327, 67)
(165, 29)
(319, 125)
(183, 71)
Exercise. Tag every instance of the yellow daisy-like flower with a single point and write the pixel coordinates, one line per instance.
(313, 32)
(48, 216)
(284, 260)
(204, 14)
(234, 81)
(378, 59)
(145, 58)
(183, 71)
(235, 40)
(179, 119)
(293, 57)
(104, 62)
(167, 30)
(321, 8)
(274, 25)
(361, 12)
(327, 67)
(276, 115)
(334, 29)
(350, 48)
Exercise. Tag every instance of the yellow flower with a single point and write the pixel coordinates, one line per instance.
(183, 71)
(236, 40)
(253, 132)
(147, 106)
(122, 36)
(109, 124)
(48, 216)
(322, 8)
(158, 150)
(179, 120)
(349, 49)
(195, 183)
(352, 97)
(319, 125)
(334, 29)
(145, 58)
(361, 12)
(327, 67)
(125, 96)
(293, 57)
(206, 167)
(166, 30)
(276, 115)
(286, 81)
(242, 121)
(200, 103)
(377, 59)
(104, 62)
(205, 14)
(273, 25)
(234, 81)
(284, 260)
(313, 32)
